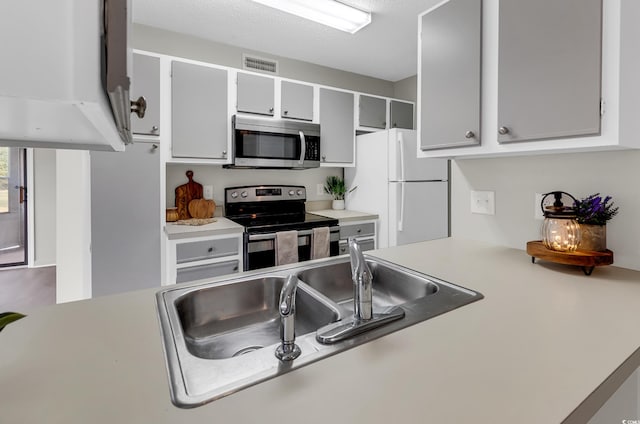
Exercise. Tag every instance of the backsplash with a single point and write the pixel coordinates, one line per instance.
(220, 178)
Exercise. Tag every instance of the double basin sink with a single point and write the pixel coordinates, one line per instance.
(221, 337)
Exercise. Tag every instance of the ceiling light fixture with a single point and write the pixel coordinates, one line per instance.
(327, 12)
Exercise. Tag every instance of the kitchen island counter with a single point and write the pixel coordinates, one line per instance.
(546, 344)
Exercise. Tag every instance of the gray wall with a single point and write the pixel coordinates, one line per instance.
(406, 89)
(175, 44)
(516, 179)
(44, 203)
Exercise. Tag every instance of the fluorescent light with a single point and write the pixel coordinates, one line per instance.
(327, 12)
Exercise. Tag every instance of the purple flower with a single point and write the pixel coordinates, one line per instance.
(594, 210)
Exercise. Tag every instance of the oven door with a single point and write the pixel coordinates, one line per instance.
(260, 252)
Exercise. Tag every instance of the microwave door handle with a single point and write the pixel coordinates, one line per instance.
(303, 147)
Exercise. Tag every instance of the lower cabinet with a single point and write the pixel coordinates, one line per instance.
(197, 258)
(363, 231)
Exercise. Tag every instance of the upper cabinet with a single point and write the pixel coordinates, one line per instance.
(296, 101)
(549, 55)
(558, 76)
(337, 129)
(401, 114)
(200, 123)
(255, 94)
(146, 83)
(372, 111)
(449, 74)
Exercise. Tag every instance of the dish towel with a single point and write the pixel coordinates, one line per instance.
(320, 243)
(286, 247)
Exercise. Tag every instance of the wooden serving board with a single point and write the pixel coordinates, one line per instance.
(185, 194)
(585, 259)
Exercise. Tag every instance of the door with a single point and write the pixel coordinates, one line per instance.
(419, 211)
(125, 219)
(13, 206)
(296, 101)
(549, 66)
(255, 94)
(146, 83)
(405, 166)
(337, 132)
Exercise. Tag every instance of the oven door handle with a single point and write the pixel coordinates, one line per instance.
(272, 236)
(303, 147)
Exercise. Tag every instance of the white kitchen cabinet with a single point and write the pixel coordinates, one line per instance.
(549, 55)
(199, 257)
(146, 83)
(255, 94)
(543, 92)
(401, 114)
(337, 127)
(449, 75)
(200, 124)
(296, 101)
(372, 112)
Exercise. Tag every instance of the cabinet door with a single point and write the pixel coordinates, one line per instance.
(337, 132)
(297, 101)
(125, 219)
(146, 83)
(401, 115)
(255, 94)
(449, 75)
(549, 69)
(199, 118)
(373, 112)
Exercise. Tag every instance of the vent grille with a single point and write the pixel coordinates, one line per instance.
(259, 64)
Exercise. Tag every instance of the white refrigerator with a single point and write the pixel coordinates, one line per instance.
(409, 194)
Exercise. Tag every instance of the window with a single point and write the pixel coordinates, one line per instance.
(4, 179)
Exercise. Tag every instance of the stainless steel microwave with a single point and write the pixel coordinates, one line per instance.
(273, 143)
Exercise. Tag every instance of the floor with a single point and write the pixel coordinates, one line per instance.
(22, 289)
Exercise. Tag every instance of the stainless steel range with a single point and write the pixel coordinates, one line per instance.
(267, 209)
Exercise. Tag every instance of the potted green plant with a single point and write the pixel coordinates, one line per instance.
(335, 187)
(8, 317)
(592, 213)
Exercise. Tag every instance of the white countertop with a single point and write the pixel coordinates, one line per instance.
(345, 215)
(220, 226)
(540, 343)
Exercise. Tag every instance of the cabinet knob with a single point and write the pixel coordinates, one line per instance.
(270, 110)
(503, 130)
(469, 134)
(324, 158)
(286, 112)
(139, 107)
(154, 128)
(224, 153)
(384, 124)
(211, 249)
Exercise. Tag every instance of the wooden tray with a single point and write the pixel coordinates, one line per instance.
(585, 259)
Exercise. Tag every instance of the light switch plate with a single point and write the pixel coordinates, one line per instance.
(483, 202)
(320, 189)
(207, 192)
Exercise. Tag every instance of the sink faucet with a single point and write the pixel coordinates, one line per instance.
(288, 349)
(363, 282)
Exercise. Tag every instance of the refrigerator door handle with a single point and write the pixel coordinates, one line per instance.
(401, 144)
(401, 220)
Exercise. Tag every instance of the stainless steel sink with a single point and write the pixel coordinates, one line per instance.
(229, 320)
(220, 337)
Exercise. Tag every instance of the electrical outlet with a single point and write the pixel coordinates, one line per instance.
(483, 202)
(320, 189)
(537, 210)
(207, 192)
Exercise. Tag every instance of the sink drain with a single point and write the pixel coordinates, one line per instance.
(247, 350)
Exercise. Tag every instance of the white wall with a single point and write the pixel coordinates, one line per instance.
(220, 178)
(44, 200)
(73, 225)
(180, 45)
(516, 179)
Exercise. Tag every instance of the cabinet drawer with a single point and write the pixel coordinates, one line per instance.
(357, 230)
(366, 244)
(206, 249)
(206, 271)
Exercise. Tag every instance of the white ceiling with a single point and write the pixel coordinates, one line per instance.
(386, 48)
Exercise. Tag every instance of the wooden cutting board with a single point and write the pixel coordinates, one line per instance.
(202, 208)
(185, 194)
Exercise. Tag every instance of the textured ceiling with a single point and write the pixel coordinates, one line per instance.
(386, 49)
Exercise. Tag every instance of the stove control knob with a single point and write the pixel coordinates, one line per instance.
(291, 192)
(299, 192)
(234, 195)
(244, 194)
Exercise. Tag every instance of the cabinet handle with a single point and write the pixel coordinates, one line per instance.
(469, 134)
(503, 130)
(139, 107)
